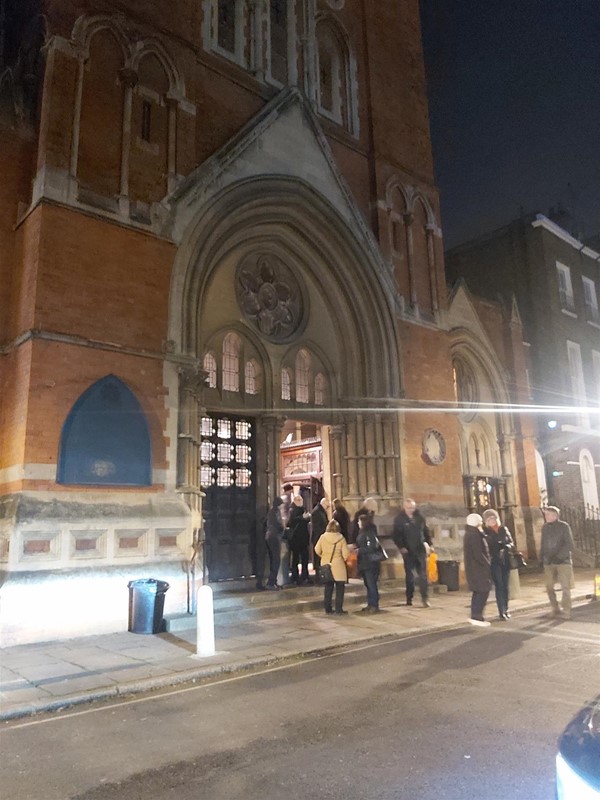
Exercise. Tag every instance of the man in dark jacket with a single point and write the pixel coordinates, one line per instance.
(411, 535)
(477, 568)
(557, 548)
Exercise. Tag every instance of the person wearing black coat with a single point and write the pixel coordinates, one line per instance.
(500, 544)
(411, 535)
(299, 539)
(477, 568)
(319, 521)
(273, 537)
(369, 555)
(342, 517)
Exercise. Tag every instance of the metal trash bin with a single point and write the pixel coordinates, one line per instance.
(448, 574)
(146, 605)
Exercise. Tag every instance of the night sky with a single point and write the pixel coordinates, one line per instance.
(514, 100)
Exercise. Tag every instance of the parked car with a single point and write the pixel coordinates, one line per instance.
(578, 758)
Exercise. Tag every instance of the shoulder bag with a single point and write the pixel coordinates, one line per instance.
(325, 572)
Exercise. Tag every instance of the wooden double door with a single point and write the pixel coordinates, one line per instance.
(228, 478)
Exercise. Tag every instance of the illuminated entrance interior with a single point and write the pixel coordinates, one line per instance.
(301, 460)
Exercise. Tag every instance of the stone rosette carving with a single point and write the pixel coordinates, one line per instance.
(269, 295)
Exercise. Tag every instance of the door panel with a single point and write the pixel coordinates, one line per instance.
(227, 475)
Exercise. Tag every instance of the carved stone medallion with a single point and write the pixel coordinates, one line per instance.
(269, 295)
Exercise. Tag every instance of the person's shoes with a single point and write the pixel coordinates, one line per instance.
(480, 623)
(274, 588)
(426, 603)
(565, 614)
(373, 610)
(329, 610)
(409, 602)
(502, 617)
(365, 610)
(507, 615)
(340, 612)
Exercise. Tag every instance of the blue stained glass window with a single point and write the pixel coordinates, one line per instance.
(105, 438)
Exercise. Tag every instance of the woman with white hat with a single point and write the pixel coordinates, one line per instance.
(477, 568)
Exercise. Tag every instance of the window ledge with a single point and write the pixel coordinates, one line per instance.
(568, 313)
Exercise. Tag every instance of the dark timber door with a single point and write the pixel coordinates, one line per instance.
(227, 475)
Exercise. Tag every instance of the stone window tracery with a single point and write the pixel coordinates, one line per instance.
(210, 367)
(320, 387)
(286, 384)
(303, 376)
(225, 29)
(231, 363)
(251, 377)
(336, 86)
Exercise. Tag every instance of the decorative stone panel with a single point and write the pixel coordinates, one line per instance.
(39, 546)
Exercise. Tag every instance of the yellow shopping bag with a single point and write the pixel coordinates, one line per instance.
(432, 568)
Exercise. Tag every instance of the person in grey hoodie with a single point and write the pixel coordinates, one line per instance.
(557, 549)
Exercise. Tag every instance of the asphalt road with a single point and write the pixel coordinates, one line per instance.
(469, 713)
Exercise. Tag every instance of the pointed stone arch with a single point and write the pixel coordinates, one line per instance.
(308, 230)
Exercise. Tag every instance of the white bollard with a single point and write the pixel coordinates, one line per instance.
(205, 631)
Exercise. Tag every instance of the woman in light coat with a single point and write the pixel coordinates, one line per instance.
(332, 549)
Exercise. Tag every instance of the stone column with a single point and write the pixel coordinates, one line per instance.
(172, 106)
(337, 440)
(272, 428)
(410, 256)
(360, 455)
(77, 116)
(381, 455)
(257, 10)
(351, 457)
(372, 457)
(129, 79)
(430, 233)
(504, 443)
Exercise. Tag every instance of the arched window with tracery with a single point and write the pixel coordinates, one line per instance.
(252, 377)
(286, 384)
(225, 28)
(303, 376)
(278, 45)
(336, 90)
(148, 159)
(231, 362)
(320, 389)
(210, 367)
(589, 484)
(474, 453)
(421, 271)
(101, 118)
(464, 383)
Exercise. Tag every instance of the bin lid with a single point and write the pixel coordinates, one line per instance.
(149, 584)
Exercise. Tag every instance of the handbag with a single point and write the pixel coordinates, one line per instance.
(325, 571)
(515, 560)
(379, 554)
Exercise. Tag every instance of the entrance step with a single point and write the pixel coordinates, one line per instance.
(242, 602)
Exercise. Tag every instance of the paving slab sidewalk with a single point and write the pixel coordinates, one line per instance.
(54, 675)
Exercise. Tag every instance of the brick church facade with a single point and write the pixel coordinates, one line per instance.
(221, 269)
